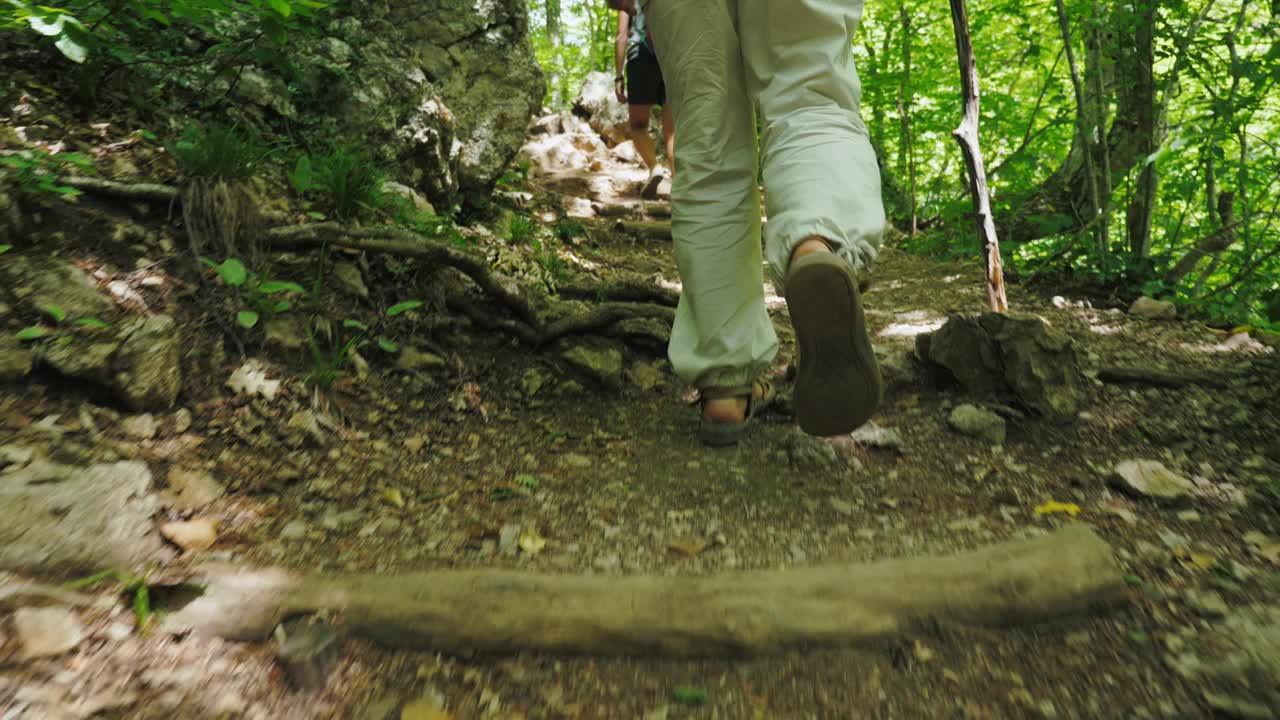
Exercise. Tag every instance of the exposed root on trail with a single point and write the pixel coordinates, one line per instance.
(1067, 573)
(538, 320)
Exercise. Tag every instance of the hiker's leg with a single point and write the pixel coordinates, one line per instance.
(638, 116)
(820, 172)
(722, 334)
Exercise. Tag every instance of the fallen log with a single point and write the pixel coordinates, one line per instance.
(1065, 573)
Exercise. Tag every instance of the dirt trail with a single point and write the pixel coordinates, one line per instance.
(510, 459)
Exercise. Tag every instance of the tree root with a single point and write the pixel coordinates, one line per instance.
(627, 299)
(530, 326)
(1067, 573)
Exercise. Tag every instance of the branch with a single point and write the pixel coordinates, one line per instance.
(123, 191)
(1068, 573)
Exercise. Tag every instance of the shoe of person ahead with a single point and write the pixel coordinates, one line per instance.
(656, 176)
(838, 385)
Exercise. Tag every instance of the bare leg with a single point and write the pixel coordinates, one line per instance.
(639, 117)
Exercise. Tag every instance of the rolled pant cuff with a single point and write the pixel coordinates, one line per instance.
(860, 254)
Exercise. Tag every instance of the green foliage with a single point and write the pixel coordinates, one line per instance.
(37, 171)
(516, 177)
(344, 181)
(133, 30)
(251, 296)
(521, 229)
(688, 695)
(219, 152)
(58, 316)
(135, 587)
(332, 349)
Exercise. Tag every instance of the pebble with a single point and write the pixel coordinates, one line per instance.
(295, 530)
(140, 427)
(840, 506)
(1207, 603)
(45, 632)
(1189, 516)
(181, 421)
(509, 539)
(192, 535)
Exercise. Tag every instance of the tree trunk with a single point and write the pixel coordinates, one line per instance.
(906, 148)
(1149, 132)
(1085, 129)
(553, 39)
(1067, 573)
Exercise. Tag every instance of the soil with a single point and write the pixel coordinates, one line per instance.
(469, 465)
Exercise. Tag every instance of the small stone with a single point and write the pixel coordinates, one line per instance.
(599, 360)
(1148, 478)
(874, 436)
(45, 632)
(1151, 309)
(193, 489)
(140, 427)
(797, 553)
(295, 530)
(14, 457)
(978, 422)
(840, 506)
(414, 444)
(192, 535)
(181, 421)
(350, 279)
(285, 332)
(1189, 516)
(414, 360)
(645, 376)
(509, 540)
(1207, 603)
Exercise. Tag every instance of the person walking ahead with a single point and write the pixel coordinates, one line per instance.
(639, 84)
(792, 59)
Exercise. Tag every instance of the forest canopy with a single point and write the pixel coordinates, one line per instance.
(1143, 161)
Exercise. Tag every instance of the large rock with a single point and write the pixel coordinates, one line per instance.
(1151, 479)
(1235, 663)
(15, 360)
(1016, 355)
(37, 283)
(439, 95)
(59, 519)
(136, 359)
(597, 103)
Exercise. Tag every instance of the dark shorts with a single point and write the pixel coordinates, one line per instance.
(644, 77)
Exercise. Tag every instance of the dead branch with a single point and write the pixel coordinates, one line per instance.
(1066, 573)
(967, 136)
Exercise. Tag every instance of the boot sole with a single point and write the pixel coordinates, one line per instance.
(838, 386)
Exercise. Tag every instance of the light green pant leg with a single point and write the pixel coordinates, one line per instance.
(722, 334)
(820, 172)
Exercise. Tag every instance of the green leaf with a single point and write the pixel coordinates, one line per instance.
(33, 333)
(90, 322)
(688, 695)
(388, 345)
(233, 272)
(527, 481)
(142, 606)
(55, 312)
(246, 318)
(275, 286)
(349, 323)
(316, 215)
(403, 307)
(301, 177)
(5, 248)
(72, 50)
(281, 6)
(45, 26)
(281, 306)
